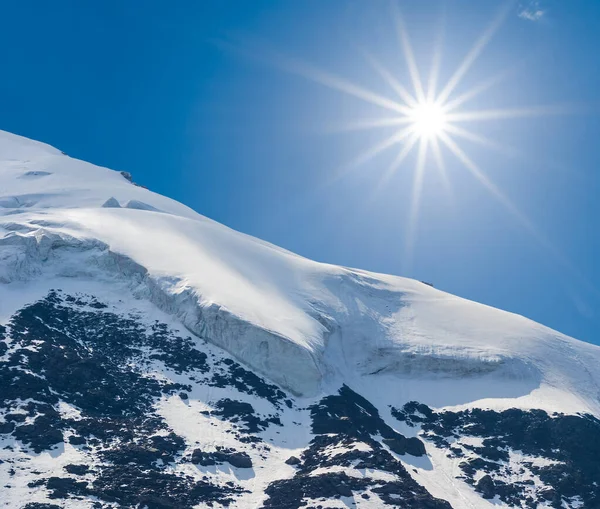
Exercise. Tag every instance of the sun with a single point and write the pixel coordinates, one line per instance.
(428, 119)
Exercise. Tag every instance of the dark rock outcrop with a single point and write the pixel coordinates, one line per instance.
(342, 422)
(568, 447)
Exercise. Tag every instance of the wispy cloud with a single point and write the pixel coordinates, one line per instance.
(531, 11)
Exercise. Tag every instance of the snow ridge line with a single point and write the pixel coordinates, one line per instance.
(29, 255)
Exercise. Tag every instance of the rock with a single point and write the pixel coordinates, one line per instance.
(571, 441)
(73, 348)
(183, 395)
(402, 445)
(15, 417)
(61, 487)
(127, 176)
(415, 447)
(346, 420)
(76, 440)
(548, 494)
(77, 469)
(7, 427)
(344, 490)
(240, 460)
(41, 434)
(37, 505)
(292, 460)
(242, 412)
(236, 459)
(486, 487)
(202, 458)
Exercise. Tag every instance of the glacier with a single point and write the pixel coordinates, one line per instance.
(301, 323)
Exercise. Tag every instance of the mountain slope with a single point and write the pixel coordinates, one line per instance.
(144, 340)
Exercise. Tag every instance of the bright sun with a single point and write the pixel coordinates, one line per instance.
(428, 119)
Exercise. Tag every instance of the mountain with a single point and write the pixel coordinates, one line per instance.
(151, 357)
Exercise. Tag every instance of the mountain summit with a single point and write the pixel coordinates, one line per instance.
(151, 357)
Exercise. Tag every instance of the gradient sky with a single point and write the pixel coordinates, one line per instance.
(191, 98)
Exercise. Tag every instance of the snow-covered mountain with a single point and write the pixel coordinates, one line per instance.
(151, 357)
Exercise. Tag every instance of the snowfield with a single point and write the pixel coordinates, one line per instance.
(305, 325)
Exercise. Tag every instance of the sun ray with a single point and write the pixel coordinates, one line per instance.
(474, 53)
(398, 160)
(393, 168)
(436, 62)
(271, 56)
(525, 222)
(335, 82)
(409, 55)
(367, 124)
(413, 217)
(374, 151)
(490, 186)
(404, 94)
(512, 113)
(478, 138)
(434, 74)
(475, 91)
(441, 165)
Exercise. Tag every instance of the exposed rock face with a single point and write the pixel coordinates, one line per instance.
(348, 424)
(293, 460)
(124, 403)
(127, 176)
(525, 458)
(72, 351)
(220, 456)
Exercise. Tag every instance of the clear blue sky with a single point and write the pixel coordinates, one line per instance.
(221, 127)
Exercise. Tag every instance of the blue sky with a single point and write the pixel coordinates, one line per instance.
(189, 97)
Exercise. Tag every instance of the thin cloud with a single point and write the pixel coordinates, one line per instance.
(533, 11)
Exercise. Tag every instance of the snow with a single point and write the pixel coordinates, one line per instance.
(306, 325)
(182, 417)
